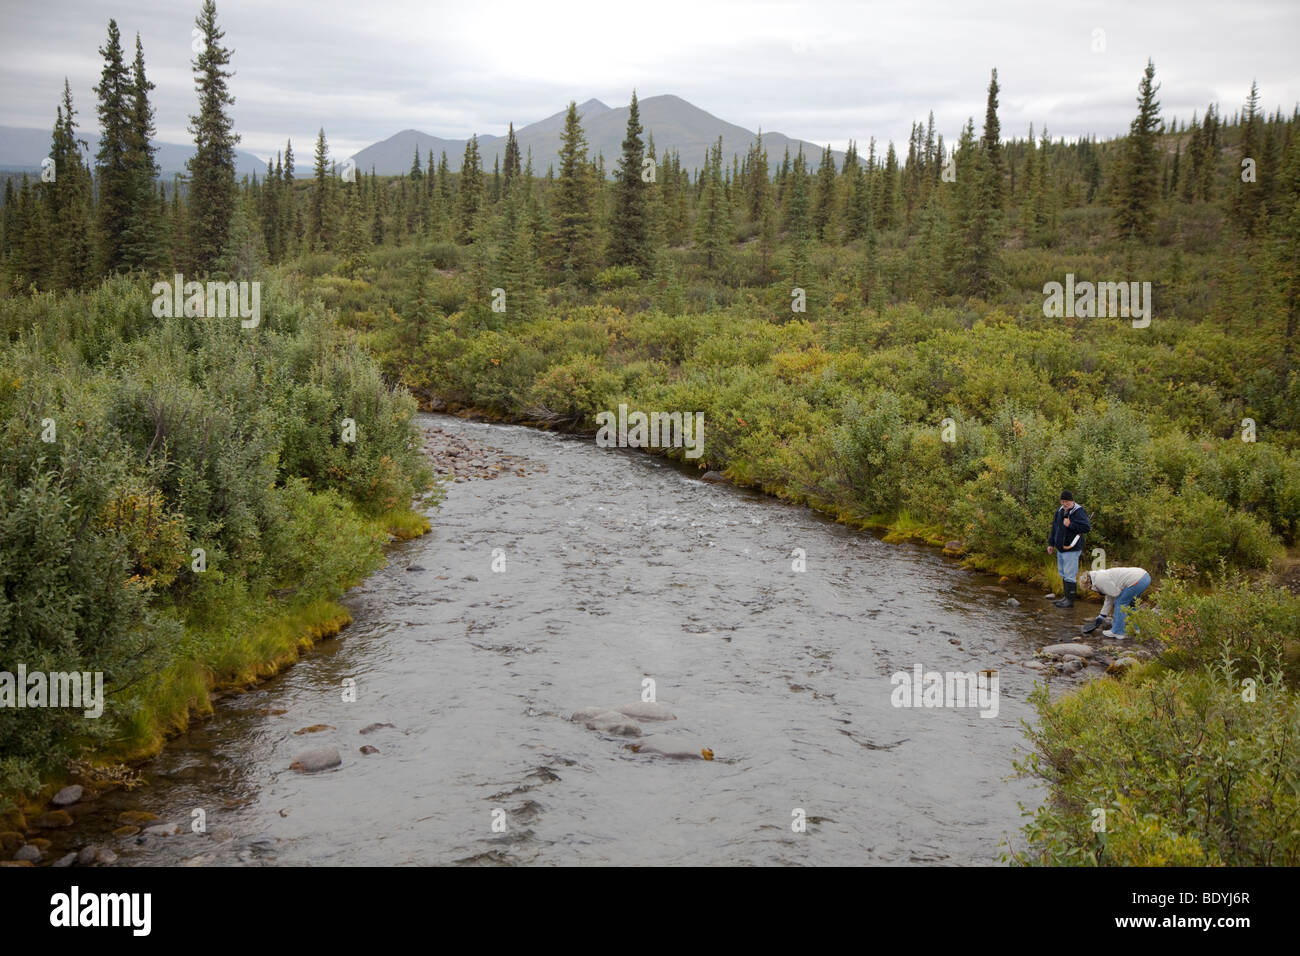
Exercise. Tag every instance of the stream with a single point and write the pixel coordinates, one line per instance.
(614, 567)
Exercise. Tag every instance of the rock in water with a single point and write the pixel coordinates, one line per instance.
(612, 722)
(67, 796)
(714, 476)
(135, 817)
(371, 728)
(1012, 602)
(310, 761)
(1056, 650)
(646, 710)
(53, 820)
(584, 714)
(31, 854)
(664, 745)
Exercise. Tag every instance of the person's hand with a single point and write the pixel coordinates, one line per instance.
(1051, 550)
(1067, 522)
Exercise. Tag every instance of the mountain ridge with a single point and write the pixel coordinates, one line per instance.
(675, 124)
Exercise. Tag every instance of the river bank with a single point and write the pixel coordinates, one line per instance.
(273, 644)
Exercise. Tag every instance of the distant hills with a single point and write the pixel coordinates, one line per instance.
(23, 149)
(674, 123)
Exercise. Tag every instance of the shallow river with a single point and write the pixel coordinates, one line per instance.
(618, 566)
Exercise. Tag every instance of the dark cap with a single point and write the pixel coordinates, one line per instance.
(1067, 495)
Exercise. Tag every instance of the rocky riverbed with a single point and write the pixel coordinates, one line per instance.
(459, 458)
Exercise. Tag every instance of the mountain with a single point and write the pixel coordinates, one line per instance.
(674, 123)
(22, 148)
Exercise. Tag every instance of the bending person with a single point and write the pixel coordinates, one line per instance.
(1120, 587)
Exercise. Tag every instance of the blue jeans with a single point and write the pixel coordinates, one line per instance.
(1126, 599)
(1067, 563)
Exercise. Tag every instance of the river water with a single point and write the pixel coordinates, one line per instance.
(618, 566)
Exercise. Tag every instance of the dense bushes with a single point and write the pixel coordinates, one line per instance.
(860, 430)
(1195, 760)
(159, 478)
(1189, 768)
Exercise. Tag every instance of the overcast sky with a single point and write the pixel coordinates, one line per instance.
(820, 71)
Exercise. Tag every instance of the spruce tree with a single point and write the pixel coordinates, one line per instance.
(572, 208)
(1139, 171)
(69, 198)
(142, 241)
(510, 168)
(798, 208)
(470, 197)
(629, 226)
(824, 203)
(714, 226)
(212, 168)
(1247, 196)
(992, 144)
(112, 160)
(757, 182)
(318, 221)
(31, 260)
(886, 205)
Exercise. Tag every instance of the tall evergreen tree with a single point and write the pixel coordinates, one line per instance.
(318, 234)
(69, 198)
(824, 202)
(1139, 171)
(991, 142)
(142, 241)
(1247, 196)
(629, 226)
(714, 226)
(112, 161)
(510, 168)
(212, 168)
(470, 197)
(572, 208)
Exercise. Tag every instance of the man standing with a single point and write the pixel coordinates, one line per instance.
(1069, 525)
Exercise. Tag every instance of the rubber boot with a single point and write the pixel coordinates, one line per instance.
(1068, 599)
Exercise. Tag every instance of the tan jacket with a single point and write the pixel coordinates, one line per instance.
(1111, 582)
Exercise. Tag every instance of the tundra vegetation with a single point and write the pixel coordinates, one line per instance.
(866, 336)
